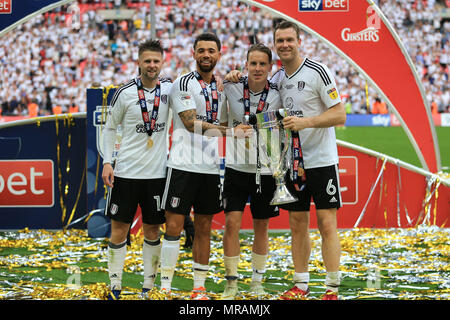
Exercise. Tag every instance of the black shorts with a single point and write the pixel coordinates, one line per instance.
(127, 194)
(239, 186)
(322, 185)
(185, 190)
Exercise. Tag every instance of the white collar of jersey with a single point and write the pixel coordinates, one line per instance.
(296, 71)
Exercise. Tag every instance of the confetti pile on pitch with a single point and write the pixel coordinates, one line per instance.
(375, 264)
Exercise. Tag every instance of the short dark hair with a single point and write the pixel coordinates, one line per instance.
(286, 25)
(151, 45)
(260, 47)
(208, 36)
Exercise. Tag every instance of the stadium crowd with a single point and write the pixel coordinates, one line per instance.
(47, 63)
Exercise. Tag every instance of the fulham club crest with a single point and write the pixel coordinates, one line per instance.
(114, 208)
(174, 202)
(301, 85)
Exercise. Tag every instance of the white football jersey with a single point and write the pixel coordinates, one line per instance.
(135, 160)
(309, 92)
(194, 152)
(238, 156)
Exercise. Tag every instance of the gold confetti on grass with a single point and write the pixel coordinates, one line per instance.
(375, 264)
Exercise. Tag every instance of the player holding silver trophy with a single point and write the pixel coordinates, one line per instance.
(274, 140)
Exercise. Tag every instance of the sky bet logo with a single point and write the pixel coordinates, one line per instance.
(323, 5)
(5, 6)
(26, 183)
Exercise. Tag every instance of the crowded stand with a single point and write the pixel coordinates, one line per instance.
(47, 63)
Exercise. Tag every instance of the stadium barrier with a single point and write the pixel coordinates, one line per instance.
(379, 191)
(50, 178)
(358, 120)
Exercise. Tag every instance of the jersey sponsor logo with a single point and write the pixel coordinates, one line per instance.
(236, 122)
(295, 113)
(323, 5)
(369, 34)
(152, 101)
(5, 6)
(205, 118)
(218, 97)
(289, 103)
(254, 103)
(26, 183)
(140, 127)
(332, 93)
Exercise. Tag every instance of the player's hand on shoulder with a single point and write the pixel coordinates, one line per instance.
(234, 76)
(219, 82)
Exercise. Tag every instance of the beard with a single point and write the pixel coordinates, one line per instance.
(148, 77)
(207, 68)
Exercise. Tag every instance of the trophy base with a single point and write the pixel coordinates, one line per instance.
(282, 196)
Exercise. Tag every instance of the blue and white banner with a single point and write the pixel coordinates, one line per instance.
(368, 120)
(42, 172)
(15, 12)
(95, 121)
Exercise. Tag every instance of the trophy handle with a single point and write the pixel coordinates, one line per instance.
(285, 133)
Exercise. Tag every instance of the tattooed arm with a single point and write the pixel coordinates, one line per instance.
(189, 118)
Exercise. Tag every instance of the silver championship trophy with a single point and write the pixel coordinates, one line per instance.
(273, 141)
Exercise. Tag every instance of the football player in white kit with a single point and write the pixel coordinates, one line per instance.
(193, 179)
(308, 90)
(244, 175)
(138, 177)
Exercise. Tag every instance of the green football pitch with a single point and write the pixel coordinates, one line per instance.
(375, 264)
(394, 142)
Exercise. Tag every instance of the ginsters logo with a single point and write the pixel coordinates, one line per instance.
(368, 35)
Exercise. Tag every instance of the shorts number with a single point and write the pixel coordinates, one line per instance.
(158, 202)
(331, 188)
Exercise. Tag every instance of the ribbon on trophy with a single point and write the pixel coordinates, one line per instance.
(298, 167)
(261, 104)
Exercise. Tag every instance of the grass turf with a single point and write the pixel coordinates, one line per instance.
(375, 264)
(394, 142)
